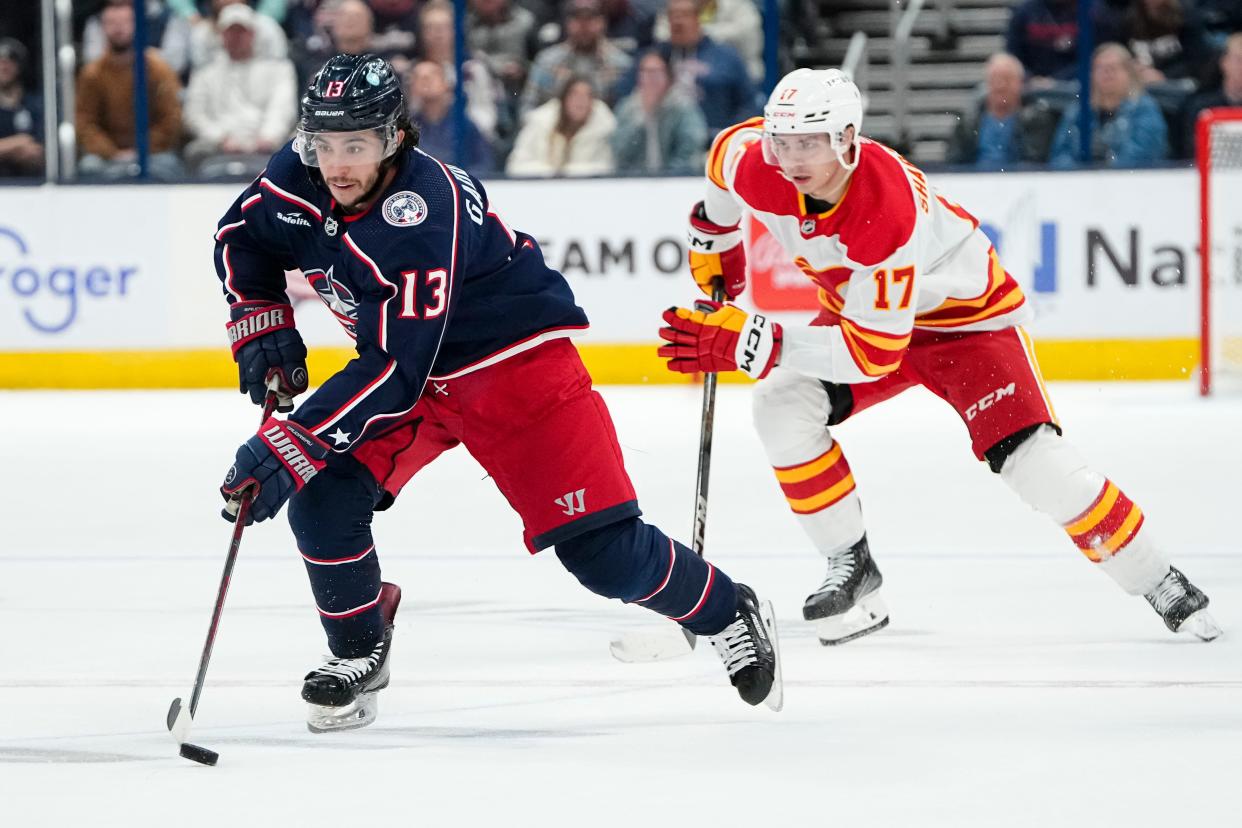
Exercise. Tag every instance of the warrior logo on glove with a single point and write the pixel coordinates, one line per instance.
(716, 337)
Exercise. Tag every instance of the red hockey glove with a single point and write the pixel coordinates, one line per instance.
(716, 337)
(716, 253)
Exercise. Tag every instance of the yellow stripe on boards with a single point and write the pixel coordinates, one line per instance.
(616, 364)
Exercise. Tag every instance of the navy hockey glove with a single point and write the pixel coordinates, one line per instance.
(272, 465)
(265, 345)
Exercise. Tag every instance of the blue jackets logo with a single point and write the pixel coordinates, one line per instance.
(405, 209)
(338, 297)
(53, 295)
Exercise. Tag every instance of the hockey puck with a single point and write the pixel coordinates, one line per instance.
(199, 754)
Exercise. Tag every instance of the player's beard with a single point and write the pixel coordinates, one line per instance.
(362, 191)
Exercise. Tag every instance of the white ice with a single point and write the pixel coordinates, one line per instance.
(1015, 686)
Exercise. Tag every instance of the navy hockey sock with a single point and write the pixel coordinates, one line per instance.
(637, 563)
(331, 520)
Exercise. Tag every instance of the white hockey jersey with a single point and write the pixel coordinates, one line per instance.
(892, 256)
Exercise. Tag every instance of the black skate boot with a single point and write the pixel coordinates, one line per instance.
(1183, 606)
(750, 651)
(343, 694)
(847, 604)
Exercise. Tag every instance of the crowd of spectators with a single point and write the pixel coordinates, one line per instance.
(587, 87)
(1157, 64)
(552, 87)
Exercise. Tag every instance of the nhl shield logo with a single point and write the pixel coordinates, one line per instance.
(330, 226)
(405, 209)
(808, 227)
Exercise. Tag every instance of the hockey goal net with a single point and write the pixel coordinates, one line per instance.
(1219, 154)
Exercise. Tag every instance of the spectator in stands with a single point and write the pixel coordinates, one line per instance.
(713, 72)
(166, 30)
(1221, 18)
(278, 10)
(395, 23)
(1002, 130)
(205, 43)
(239, 108)
(431, 110)
(660, 129)
(1227, 93)
(1043, 34)
(105, 106)
(1128, 129)
(1169, 42)
(735, 23)
(568, 135)
(436, 43)
(585, 51)
(630, 25)
(342, 27)
(502, 35)
(21, 115)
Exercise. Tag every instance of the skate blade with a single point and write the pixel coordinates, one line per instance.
(775, 699)
(867, 616)
(358, 713)
(1201, 624)
(651, 646)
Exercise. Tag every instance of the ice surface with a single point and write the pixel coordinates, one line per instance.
(1014, 687)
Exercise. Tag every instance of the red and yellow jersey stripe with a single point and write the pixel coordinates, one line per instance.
(1002, 295)
(1107, 525)
(875, 352)
(719, 152)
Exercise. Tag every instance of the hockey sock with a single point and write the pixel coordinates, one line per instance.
(331, 520)
(637, 563)
(791, 414)
(822, 495)
(1051, 476)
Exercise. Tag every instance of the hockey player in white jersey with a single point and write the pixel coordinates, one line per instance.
(912, 293)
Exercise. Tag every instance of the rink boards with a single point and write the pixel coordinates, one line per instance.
(114, 286)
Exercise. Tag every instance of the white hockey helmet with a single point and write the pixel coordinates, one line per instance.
(814, 101)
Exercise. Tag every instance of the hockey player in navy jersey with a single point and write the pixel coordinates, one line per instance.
(462, 337)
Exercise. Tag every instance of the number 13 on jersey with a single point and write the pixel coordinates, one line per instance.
(436, 281)
(888, 282)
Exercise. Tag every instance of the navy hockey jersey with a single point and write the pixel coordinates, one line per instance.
(429, 282)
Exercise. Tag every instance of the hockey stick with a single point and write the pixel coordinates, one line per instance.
(657, 646)
(180, 718)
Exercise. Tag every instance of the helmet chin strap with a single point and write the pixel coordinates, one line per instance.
(841, 153)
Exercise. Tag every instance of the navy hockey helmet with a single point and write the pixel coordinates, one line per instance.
(352, 93)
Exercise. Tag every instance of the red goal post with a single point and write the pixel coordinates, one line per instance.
(1218, 150)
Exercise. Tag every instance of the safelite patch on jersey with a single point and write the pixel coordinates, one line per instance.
(405, 209)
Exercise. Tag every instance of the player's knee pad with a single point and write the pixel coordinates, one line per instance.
(637, 563)
(791, 413)
(1050, 475)
(604, 560)
(331, 515)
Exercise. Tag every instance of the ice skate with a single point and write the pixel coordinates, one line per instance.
(751, 652)
(1183, 606)
(343, 694)
(847, 604)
